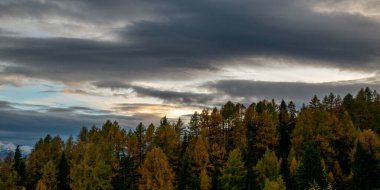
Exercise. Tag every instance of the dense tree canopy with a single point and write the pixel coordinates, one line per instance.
(330, 143)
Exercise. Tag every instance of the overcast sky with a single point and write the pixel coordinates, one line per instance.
(65, 64)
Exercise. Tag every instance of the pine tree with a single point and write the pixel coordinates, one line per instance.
(365, 172)
(285, 130)
(63, 173)
(217, 160)
(19, 166)
(140, 134)
(194, 125)
(310, 170)
(187, 179)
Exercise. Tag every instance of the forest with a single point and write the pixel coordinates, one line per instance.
(329, 143)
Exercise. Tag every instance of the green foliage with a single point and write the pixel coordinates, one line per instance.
(93, 171)
(19, 166)
(310, 169)
(187, 179)
(268, 169)
(63, 173)
(366, 166)
(234, 172)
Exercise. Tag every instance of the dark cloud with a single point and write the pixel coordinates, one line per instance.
(113, 85)
(5, 105)
(296, 91)
(182, 40)
(168, 96)
(170, 40)
(176, 97)
(25, 127)
(77, 109)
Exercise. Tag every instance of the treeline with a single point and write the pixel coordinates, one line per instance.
(331, 143)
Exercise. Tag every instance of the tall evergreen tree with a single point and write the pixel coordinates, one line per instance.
(187, 178)
(63, 173)
(140, 134)
(365, 169)
(19, 166)
(285, 130)
(310, 169)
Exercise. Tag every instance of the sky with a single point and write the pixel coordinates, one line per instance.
(65, 64)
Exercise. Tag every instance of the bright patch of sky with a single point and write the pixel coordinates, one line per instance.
(10, 147)
(293, 74)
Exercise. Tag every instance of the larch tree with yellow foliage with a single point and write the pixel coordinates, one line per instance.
(155, 172)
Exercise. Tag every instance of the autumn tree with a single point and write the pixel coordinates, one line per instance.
(155, 172)
(46, 149)
(201, 162)
(49, 179)
(167, 138)
(93, 171)
(266, 136)
(328, 141)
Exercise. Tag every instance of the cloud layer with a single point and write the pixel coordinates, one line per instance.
(180, 40)
(131, 57)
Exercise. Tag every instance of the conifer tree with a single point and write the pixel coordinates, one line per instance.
(268, 169)
(93, 171)
(155, 172)
(19, 166)
(234, 172)
(140, 135)
(166, 137)
(204, 180)
(366, 171)
(310, 169)
(187, 178)
(49, 176)
(63, 173)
